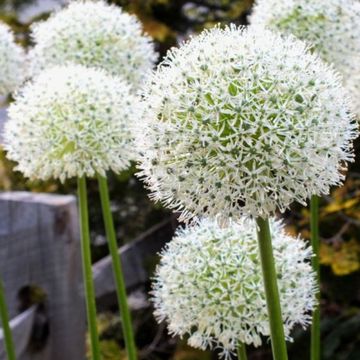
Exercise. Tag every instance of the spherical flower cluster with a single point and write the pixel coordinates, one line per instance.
(242, 121)
(71, 121)
(93, 33)
(209, 285)
(12, 61)
(332, 27)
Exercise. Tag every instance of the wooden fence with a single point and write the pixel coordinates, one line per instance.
(39, 246)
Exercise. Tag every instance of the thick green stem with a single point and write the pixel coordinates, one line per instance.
(117, 270)
(271, 290)
(87, 270)
(315, 243)
(4, 317)
(241, 352)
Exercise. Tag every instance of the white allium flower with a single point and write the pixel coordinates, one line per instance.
(93, 33)
(332, 27)
(209, 284)
(72, 121)
(12, 61)
(242, 121)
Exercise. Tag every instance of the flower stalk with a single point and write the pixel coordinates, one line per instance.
(87, 269)
(117, 269)
(271, 290)
(315, 243)
(4, 317)
(241, 351)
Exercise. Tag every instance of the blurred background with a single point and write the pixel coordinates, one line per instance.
(170, 22)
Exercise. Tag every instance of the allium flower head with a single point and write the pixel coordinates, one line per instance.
(331, 27)
(93, 33)
(209, 284)
(12, 61)
(71, 121)
(243, 122)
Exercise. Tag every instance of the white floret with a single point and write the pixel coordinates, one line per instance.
(330, 27)
(243, 122)
(209, 284)
(72, 121)
(12, 61)
(93, 33)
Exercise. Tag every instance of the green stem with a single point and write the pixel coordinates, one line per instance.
(117, 270)
(4, 317)
(87, 269)
(241, 351)
(315, 242)
(271, 290)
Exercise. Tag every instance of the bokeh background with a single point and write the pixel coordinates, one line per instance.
(169, 22)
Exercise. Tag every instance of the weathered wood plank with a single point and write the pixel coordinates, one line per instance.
(135, 258)
(21, 327)
(3, 117)
(39, 245)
